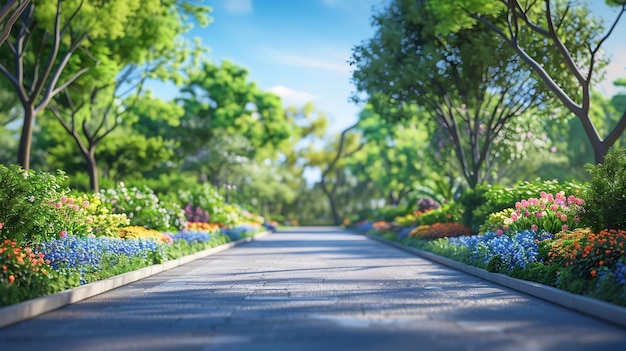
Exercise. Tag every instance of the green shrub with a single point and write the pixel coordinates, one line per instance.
(27, 204)
(605, 197)
(448, 213)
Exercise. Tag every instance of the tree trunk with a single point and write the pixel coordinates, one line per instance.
(92, 170)
(23, 154)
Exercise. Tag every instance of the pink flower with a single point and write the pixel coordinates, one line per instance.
(62, 234)
(564, 227)
(499, 232)
(63, 198)
(505, 227)
(85, 203)
(525, 203)
(554, 207)
(75, 207)
(544, 195)
(550, 198)
(543, 205)
(538, 214)
(564, 217)
(518, 205)
(534, 227)
(58, 205)
(526, 213)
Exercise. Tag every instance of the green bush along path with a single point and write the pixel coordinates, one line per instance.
(312, 288)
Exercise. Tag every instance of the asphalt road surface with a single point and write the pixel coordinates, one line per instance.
(312, 288)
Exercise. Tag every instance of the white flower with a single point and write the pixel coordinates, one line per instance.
(31, 198)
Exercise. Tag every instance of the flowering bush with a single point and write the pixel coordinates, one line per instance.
(240, 230)
(25, 274)
(552, 213)
(503, 252)
(494, 198)
(381, 226)
(496, 221)
(194, 213)
(589, 254)
(86, 254)
(208, 227)
(137, 232)
(426, 204)
(143, 207)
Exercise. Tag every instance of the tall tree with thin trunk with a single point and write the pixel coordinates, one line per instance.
(51, 45)
(570, 71)
(470, 87)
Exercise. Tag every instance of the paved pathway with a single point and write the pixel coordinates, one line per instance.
(312, 289)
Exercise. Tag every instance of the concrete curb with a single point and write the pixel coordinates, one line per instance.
(34, 307)
(605, 311)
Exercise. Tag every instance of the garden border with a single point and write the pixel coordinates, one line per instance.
(34, 307)
(598, 309)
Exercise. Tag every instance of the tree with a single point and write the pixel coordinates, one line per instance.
(98, 102)
(50, 46)
(393, 156)
(331, 160)
(472, 87)
(569, 71)
(221, 104)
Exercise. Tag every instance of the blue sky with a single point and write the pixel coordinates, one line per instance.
(299, 49)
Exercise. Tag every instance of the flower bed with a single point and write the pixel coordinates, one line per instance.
(571, 241)
(53, 239)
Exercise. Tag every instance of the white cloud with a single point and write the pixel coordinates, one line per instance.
(238, 7)
(291, 96)
(296, 60)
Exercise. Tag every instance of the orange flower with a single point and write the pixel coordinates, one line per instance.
(11, 279)
(593, 273)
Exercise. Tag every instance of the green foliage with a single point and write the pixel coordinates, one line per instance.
(496, 264)
(439, 230)
(605, 198)
(470, 201)
(27, 204)
(448, 213)
(496, 221)
(182, 248)
(387, 214)
(538, 272)
(112, 265)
